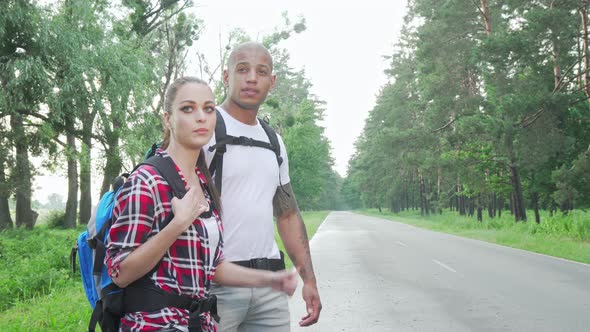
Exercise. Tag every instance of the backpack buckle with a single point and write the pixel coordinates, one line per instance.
(247, 141)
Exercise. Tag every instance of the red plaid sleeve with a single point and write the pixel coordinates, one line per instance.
(134, 215)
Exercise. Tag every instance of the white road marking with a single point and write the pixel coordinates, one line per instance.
(444, 265)
(401, 243)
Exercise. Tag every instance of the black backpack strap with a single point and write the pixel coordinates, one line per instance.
(276, 147)
(273, 139)
(222, 139)
(216, 166)
(143, 295)
(167, 170)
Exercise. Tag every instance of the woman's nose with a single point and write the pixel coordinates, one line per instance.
(200, 115)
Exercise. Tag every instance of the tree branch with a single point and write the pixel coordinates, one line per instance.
(479, 9)
(451, 122)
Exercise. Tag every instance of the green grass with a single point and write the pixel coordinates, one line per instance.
(38, 292)
(313, 220)
(33, 262)
(63, 309)
(560, 236)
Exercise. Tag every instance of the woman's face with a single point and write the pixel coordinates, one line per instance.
(192, 120)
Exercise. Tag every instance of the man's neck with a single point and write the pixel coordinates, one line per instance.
(245, 116)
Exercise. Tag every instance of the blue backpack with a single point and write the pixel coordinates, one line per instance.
(86, 244)
(109, 302)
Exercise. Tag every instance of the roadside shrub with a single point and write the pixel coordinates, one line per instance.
(32, 262)
(56, 219)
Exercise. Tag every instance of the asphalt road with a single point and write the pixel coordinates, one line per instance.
(379, 275)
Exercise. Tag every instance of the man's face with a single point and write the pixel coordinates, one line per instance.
(249, 77)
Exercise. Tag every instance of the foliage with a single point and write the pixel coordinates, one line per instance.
(35, 278)
(33, 263)
(486, 108)
(56, 219)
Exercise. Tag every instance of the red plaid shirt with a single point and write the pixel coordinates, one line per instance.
(187, 267)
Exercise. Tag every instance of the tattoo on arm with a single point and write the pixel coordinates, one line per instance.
(284, 203)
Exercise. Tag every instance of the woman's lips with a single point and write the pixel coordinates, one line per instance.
(201, 131)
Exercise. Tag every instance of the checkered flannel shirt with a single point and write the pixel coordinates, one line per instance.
(187, 267)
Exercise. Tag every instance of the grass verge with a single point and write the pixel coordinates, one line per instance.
(41, 293)
(559, 236)
(63, 309)
(313, 220)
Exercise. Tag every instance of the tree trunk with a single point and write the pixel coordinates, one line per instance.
(500, 205)
(439, 191)
(114, 164)
(406, 205)
(5, 218)
(586, 70)
(411, 193)
(492, 205)
(461, 197)
(72, 201)
(512, 204)
(479, 208)
(485, 12)
(556, 66)
(25, 216)
(112, 168)
(535, 201)
(427, 196)
(519, 209)
(85, 181)
(423, 204)
(579, 60)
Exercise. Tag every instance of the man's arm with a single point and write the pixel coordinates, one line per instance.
(294, 235)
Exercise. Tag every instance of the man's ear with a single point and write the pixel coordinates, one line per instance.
(272, 81)
(225, 77)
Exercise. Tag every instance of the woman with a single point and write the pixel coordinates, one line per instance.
(186, 255)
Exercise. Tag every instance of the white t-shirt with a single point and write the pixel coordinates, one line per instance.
(250, 180)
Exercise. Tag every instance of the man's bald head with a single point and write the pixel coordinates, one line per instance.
(248, 46)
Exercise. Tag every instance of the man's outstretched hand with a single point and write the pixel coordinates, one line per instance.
(311, 296)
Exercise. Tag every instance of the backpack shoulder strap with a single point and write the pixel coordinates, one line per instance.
(222, 139)
(273, 139)
(165, 167)
(216, 166)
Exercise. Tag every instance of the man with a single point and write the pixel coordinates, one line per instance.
(254, 187)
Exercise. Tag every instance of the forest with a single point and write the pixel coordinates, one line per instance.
(486, 112)
(82, 91)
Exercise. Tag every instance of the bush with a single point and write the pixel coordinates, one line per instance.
(56, 219)
(32, 262)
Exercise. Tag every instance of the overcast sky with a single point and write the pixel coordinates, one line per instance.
(341, 51)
